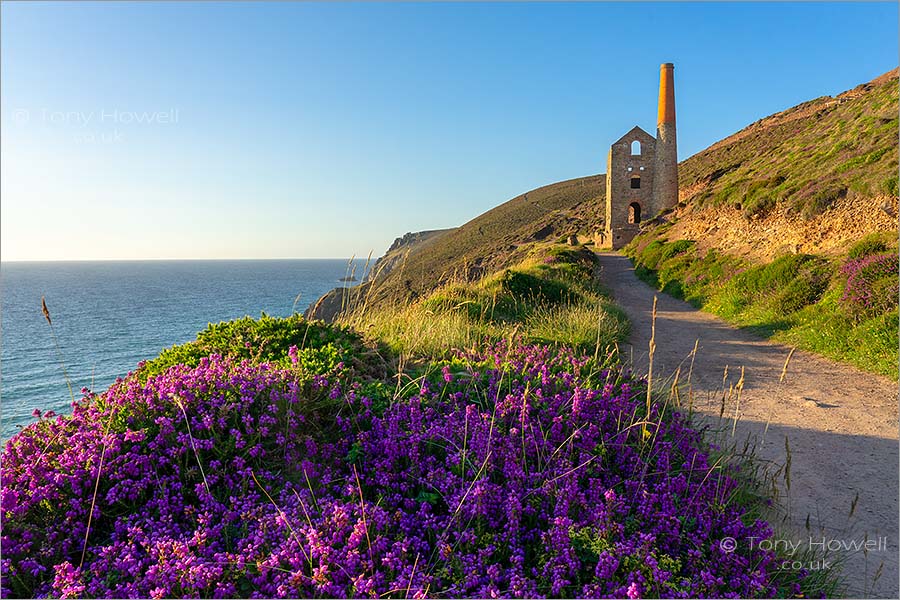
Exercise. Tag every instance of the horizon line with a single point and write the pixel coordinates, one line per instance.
(83, 260)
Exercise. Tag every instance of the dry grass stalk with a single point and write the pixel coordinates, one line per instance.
(650, 356)
(739, 388)
(780, 381)
(62, 363)
(690, 378)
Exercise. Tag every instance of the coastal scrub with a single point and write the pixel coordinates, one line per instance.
(515, 471)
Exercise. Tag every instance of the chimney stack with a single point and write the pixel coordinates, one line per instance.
(665, 186)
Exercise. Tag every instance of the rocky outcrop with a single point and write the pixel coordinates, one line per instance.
(763, 238)
(332, 304)
(401, 247)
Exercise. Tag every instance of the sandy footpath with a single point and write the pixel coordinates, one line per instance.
(841, 424)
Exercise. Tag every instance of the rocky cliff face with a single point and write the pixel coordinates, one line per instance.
(402, 246)
(328, 307)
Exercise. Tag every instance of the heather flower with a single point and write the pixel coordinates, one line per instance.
(634, 591)
(871, 286)
(513, 475)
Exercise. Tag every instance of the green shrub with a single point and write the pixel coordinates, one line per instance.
(761, 196)
(758, 205)
(805, 289)
(821, 200)
(672, 272)
(884, 293)
(763, 280)
(871, 244)
(651, 254)
(530, 287)
(267, 339)
(646, 275)
(890, 186)
(677, 247)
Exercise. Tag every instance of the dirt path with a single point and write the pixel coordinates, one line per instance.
(841, 424)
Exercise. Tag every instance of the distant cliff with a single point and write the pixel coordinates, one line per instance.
(402, 246)
(332, 303)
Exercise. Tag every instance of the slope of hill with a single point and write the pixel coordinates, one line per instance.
(814, 178)
(493, 240)
(402, 246)
(808, 154)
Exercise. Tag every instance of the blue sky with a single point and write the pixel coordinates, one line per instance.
(291, 130)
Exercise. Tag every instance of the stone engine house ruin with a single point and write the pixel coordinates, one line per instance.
(642, 171)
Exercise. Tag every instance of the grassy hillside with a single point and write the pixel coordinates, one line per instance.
(804, 158)
(833, 159)
(549, 297)
(496, 239)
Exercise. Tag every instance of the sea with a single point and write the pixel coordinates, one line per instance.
(108, 316)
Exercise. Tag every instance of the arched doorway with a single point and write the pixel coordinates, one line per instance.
(634, 213)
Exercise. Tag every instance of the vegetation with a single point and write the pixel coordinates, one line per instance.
(845, 309)
(805, 158)
(550, 297)
(497, 239)
(268, 339)
(288, 458)
(466, 430)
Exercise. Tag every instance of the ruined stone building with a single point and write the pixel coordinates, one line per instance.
(642, 171)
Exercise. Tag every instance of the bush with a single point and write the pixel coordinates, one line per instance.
(672, 271)
(758, 205)
(526, 286)
(805, 289)
(267, 339)
(820, 200)
(871, 244)
(890, 186)
(872, 284)
(761, 196)
(651, 254)
(755, 280)
(675, 248)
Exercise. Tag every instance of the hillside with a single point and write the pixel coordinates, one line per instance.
(807, 156)
(814, 178)
(493, 240)
(402, 246)
(789, 228)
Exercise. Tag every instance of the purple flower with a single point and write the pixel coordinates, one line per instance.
(236, 479)
(634, 591)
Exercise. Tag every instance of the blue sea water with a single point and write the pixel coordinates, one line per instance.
(108, 316)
